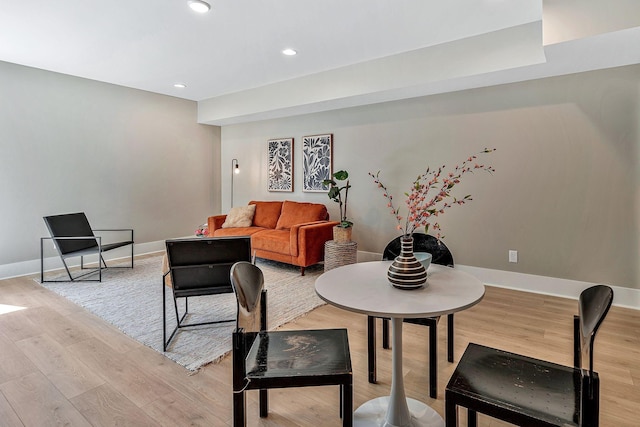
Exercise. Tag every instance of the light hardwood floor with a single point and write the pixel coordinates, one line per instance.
(62, 366)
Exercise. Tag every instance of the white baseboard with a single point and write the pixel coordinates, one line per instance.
(623, 297)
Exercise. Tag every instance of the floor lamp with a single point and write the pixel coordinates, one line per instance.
(235, 169)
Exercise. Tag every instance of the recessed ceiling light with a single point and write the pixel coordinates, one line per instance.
(180, 85)
(289, 52)
(199, 6)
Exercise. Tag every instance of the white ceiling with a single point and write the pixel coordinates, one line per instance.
(236, 47)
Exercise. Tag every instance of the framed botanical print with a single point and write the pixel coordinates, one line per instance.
(280, 165)
(316, 162)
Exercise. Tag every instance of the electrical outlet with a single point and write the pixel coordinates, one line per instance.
(513, 256)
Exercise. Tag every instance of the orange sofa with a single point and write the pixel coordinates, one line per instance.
(289, 232)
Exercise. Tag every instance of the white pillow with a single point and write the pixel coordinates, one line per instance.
(241, 216)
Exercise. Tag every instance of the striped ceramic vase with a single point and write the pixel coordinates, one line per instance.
(406, 272)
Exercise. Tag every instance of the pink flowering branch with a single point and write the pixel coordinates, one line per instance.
(430, 195)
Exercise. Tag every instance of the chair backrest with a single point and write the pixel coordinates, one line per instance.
(70, 225)
(199, 265)
(248, 281)
(422, 243)
(593, 305)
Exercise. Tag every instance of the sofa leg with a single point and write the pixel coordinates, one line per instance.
(302, 271)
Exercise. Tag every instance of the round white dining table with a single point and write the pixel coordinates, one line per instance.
(364, 288)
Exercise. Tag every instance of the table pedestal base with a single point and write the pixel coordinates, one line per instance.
(373, 413)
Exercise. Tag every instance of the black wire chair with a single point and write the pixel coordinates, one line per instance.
(199, 267)
(73, 236)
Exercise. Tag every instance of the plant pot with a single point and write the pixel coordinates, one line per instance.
(406, 272)
(341, 234)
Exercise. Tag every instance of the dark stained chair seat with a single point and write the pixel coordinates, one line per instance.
(500, 380)
(526, 391)
(300, 357)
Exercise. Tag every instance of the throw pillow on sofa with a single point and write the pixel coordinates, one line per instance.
(241, 216)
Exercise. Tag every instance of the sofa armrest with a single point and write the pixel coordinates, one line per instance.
(215, 222)
(310, 237)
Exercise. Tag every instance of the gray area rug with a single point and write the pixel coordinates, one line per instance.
(131, 300)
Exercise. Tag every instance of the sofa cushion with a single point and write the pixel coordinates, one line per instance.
(272, 241)
(241, 216)
(239, 231)
(267, 213)
(294, 213)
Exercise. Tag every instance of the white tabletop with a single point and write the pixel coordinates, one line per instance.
(364, 288)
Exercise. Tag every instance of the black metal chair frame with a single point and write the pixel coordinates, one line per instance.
(73, 237)
(250, 348)
(505, 375)
(199, 267)
(442, 256)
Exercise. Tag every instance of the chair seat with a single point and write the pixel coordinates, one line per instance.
(299, 354)
(94, 249)
(109, 246)
(499, 381)
(423, 321)
(204, 291)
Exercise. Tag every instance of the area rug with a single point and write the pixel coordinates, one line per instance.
(131, 300)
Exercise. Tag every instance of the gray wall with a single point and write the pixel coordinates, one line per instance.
(565, 195)
(127, 158)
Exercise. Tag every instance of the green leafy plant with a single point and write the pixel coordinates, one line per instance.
(335, 194)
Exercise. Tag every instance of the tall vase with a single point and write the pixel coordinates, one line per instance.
(406, 272)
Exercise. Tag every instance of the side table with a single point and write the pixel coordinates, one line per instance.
(337, 254)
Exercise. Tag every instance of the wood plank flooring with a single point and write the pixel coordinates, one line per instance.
(62, 366)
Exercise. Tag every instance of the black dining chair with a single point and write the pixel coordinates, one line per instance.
(277, 359)
(199, 267)
(531, 392)
(442, 256)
